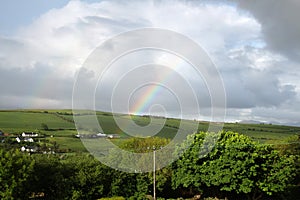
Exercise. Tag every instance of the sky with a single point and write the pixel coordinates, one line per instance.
(255, 46)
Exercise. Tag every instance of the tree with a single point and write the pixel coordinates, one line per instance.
(140, 184)
(291, 146)
(51, 177)
(44, 126)
(236, 164)
(125, 184)
(138, 154)
(15, 170)
(91, 179)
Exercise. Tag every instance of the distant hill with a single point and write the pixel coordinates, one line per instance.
(251, 122)
(296, 124)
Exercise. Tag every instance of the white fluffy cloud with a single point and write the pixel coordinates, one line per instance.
(56, 44)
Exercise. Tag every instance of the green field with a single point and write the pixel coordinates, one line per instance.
(19, 121)
(61, 128)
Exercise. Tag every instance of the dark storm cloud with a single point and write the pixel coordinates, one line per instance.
(254, 88)
(279, 22)
(251, 84)
(38, 82)
(263, 88)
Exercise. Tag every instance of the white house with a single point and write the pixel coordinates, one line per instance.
(18, 139)
(32, 134)
(24, 139)
(28, 140)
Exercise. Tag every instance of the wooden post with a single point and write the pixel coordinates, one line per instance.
(154, 192)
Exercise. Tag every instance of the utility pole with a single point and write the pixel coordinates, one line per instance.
(154, 169)
(154, 192)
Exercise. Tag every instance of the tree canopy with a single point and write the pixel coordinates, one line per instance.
(226, 164)
(235, 164)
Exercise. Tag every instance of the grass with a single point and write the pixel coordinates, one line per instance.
(19, 121)
(62, 129)
(69, 143)
(60, 133)
(109, 126)
(263, 132)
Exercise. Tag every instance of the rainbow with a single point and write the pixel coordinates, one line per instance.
(145, 101)
(153, 90)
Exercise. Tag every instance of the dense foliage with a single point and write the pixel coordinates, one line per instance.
(236, 164)
(235, 167)
(15, 170)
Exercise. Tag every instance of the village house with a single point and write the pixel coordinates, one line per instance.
(20, 139)
(29, 134)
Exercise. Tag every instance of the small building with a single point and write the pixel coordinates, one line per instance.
(113, 136)
(29, 134)
(20, 139)
(28, 139)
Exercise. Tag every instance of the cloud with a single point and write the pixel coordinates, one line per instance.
(35, 87)
(280, 24)
(255, 49)
(253, 79)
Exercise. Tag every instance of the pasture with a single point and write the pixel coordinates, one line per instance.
(62, 130)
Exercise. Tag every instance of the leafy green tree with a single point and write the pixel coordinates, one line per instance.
(91, 179)
(15, 169)
(163, 182)
(141, 145)
(70, 177)
(51, 177)
(125, 184)
(291, 146)
(142, 183)
(235, 164)
(44, 126)
(127, 161)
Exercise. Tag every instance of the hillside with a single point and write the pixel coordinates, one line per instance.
(61, 128)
